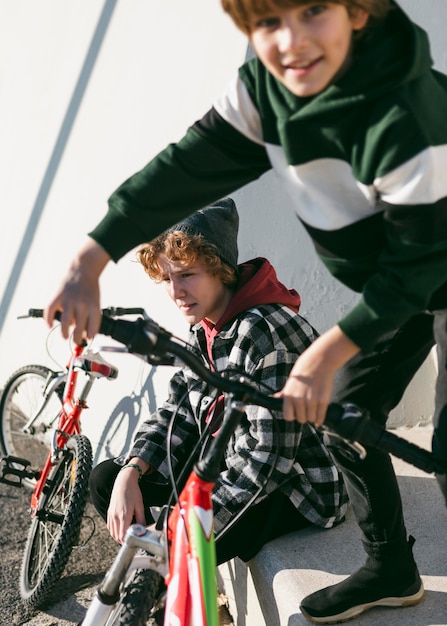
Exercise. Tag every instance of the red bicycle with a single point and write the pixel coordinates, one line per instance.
(44, 450)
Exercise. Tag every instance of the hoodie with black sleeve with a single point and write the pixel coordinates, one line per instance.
(363, 163)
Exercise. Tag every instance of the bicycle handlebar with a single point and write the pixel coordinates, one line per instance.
(351, 423)
(348, 421)
(111, 311)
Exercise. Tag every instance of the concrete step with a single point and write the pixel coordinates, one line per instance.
(268, 591)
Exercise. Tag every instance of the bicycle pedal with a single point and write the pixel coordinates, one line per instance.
(17, 467)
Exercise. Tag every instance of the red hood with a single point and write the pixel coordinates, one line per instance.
(257, 284)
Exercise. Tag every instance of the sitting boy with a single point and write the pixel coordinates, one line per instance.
(241, 319)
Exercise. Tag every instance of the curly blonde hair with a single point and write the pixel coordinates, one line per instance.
(187, 250)
(242, 11)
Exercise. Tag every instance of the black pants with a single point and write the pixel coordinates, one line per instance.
(272, 517)
(377, 382)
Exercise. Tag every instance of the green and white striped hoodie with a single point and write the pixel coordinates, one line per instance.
(364, 164)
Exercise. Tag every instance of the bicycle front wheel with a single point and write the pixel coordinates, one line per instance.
(139, 598)
(22, 398)
(55, 528)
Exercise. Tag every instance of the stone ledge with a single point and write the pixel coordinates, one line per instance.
(268, 592)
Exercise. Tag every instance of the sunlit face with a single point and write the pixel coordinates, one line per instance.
(308, 46)
(197, 293)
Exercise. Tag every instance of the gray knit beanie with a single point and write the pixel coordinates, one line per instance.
(218, 224)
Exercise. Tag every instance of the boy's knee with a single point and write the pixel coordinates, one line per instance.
(102, 478)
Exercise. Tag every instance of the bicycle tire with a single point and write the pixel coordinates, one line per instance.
(20, 399)
(139, 597)
(55, 528)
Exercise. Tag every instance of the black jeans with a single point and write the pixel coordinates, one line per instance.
(377, 381)
(439, 444)
(272, 517)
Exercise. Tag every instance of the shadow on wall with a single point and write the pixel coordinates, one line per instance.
(120, 429)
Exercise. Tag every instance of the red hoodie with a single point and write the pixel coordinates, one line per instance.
(257, 284)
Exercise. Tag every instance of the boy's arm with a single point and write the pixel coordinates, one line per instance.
(308, 390)
(212, 160)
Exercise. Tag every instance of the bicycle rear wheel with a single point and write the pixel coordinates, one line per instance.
(21, 398)
(55, 528)
(138, 599)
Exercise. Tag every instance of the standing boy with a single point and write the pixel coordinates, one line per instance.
(242, 321)
(343, 104)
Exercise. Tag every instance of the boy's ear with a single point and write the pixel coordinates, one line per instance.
(359, 18)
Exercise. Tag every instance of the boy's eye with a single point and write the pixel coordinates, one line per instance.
(314, 10)
(267, 22)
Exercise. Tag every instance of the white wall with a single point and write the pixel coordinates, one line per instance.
(89, 92)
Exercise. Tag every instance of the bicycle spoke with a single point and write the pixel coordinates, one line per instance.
(43, 547)
(21, 400)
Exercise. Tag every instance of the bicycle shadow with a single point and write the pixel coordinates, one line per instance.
(289, 568)
(118, 433)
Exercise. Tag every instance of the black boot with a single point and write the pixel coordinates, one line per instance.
(391, 581)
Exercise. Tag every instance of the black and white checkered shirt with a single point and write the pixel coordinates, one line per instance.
(263, 343)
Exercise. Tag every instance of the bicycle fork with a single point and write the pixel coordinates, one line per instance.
(108, 593)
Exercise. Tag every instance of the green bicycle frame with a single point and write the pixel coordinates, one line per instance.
(192, 586)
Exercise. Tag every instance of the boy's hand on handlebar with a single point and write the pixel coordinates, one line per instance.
(308, 390)
(78, 298)
(79, 307)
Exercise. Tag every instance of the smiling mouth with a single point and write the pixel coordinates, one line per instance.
(302, 67)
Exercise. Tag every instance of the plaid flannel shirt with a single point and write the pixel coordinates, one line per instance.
(263, 343)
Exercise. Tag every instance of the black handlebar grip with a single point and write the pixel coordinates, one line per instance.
(411, 453)
(129, 333)
(354, 424)
(118, 311)
(121, 330)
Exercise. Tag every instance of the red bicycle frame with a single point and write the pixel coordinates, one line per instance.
(192, 586)
(70, 412)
